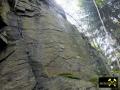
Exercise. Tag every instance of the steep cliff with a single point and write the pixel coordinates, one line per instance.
(41, 50)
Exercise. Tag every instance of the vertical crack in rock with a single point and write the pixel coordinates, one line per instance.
(2, 23)
(12, 3)
(3, 45)
(36, 66)
(19, 25)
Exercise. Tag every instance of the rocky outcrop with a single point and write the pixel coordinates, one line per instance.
(41, 50)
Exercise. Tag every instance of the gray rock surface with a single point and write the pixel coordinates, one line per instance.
(42, 50)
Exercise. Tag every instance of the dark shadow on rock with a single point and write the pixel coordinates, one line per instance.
(2, 23)
(3, 45)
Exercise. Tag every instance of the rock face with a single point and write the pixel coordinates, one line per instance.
(41, 50)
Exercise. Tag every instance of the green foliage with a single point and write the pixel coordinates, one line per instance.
(96, 46)
(100, 3)
(116, 71)
(80, 4)
(94, 80)
(69, 75)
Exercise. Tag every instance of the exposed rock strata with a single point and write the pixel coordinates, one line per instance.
(42, 50)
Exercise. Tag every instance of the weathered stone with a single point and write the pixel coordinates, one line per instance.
(42, 46)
